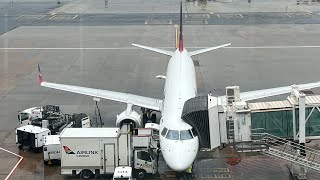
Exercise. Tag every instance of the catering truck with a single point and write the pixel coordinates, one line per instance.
(92, 152)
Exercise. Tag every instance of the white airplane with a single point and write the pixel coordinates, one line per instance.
(179, 145)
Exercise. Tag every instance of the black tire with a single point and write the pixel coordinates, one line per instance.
(153, 118)
(86, 174)
(35, 150)
(20, 147)
(45, 162)
(144, 119)
(141, 174)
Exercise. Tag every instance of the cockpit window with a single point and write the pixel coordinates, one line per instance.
(164, 131)
(173, 135)
(185, 135)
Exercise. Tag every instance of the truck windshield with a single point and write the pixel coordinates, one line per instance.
(185, 134)
(23, 116)
(173, 135)
(144, 156)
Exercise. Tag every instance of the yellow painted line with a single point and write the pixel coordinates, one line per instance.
(177, 34)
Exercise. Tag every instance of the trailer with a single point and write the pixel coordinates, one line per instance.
(51, 150)
(31, 136)
(92, 152)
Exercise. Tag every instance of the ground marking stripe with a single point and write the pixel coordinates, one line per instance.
(12, 170)
(128, 48)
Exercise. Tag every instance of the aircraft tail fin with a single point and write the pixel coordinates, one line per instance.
(161, 51)
(180, 33)
(192, 53)
(40, 80)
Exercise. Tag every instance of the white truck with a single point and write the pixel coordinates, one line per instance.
(50, 116)
(31, 136)
(51, 149)
(97, 151)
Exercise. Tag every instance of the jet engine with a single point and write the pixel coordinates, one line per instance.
(129, 116)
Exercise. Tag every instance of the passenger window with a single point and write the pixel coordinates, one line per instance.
(173, 135)
(185, 135)
(164, 132)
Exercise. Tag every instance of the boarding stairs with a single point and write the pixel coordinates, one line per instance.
(288, 150)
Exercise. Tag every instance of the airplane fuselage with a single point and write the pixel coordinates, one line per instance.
(179, 149)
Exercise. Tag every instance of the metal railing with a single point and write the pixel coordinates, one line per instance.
(288, 150)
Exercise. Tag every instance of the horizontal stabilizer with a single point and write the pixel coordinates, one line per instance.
(192, 53)
(161, 51)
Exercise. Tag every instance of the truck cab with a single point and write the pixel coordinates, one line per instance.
(144, 162)
(26, 116)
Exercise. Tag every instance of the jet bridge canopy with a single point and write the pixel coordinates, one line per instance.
(195, 113)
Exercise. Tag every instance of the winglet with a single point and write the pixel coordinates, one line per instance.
(180, 34)
(39, 75)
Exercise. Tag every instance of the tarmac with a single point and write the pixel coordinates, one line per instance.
(88, 50)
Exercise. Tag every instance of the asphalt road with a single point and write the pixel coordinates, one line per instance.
(13, 15)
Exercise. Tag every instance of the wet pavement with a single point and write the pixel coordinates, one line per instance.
(33, 25)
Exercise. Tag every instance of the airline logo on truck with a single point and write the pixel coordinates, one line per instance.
(68, 150)
(79, 153)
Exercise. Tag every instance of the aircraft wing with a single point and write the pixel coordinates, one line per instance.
(258, 94)
(141, 101)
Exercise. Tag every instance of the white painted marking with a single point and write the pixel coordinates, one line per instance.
(41, 16)
(10, 152)
(218, 15)
(75, 16)
(146, 22)
(240, 15)
(19, 16)
(170, 21)
(289, 15)
(53, 14)
(309, 12)
(132, 48)
(52, 17)
(12, 170)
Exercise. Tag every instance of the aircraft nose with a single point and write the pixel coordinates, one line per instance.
(177, 165)
(180, 155)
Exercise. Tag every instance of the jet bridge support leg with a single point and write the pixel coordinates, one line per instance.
(297, 171)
